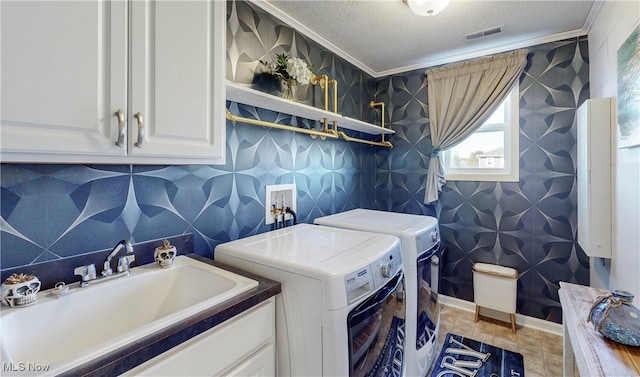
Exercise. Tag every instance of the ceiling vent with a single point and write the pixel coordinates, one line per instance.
(483, 33)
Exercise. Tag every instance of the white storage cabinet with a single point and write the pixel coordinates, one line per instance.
(595, 119)
(68, 69)
(241, 346)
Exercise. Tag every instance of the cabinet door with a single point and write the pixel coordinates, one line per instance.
(240, 346)
(63, 76)
(594, 120)
(177, 58)
(583, 177)
(260, 364)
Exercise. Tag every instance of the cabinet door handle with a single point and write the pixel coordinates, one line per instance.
(138, 116)
(121, 129)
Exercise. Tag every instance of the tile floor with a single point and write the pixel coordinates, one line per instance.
(542, 351)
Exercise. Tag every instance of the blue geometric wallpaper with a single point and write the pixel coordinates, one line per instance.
(529, 225)
(51, 212)
(55, 211)
(254, 37)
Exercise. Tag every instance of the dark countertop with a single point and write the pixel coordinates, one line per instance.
(144, 349)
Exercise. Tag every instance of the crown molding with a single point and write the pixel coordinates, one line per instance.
(593, 13)
(484, 52)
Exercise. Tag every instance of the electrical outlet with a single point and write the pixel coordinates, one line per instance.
(279, 197)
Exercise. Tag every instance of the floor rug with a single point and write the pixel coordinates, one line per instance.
(464, 357)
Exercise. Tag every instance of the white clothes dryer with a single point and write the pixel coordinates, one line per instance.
(420, 241)
(341, 309)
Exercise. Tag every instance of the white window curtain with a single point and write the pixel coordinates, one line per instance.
(462, 96)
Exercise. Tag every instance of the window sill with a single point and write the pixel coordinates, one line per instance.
(488, 177)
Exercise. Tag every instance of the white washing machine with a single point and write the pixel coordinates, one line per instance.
(420, 240)
(341, 310)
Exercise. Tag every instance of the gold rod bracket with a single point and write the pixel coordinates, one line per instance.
(323, 80)
(335, 101)
(363, 141)
(373, 105)
(263, 123)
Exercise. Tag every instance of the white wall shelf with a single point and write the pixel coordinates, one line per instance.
(252, 97)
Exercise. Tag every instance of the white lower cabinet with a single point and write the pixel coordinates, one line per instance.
(241, 346)
(260, 364)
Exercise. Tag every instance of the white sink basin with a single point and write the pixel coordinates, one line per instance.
(62, 332)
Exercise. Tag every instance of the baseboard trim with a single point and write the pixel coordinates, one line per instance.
(521, 320)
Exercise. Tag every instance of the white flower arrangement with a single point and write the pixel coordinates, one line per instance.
(292, 71)
(299, 71)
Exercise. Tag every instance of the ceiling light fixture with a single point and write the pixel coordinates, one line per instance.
(427, 7)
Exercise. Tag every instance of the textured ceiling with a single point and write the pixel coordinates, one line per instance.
(384, 37)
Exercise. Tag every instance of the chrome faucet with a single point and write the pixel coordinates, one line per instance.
(123, 262)
(88, 272)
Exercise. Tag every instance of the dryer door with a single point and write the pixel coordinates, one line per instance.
(376, 332)
(428, 308)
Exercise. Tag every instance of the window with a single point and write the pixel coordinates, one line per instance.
(490, 153)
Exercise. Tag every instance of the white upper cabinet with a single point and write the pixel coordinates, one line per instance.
(177, 76)
(63, 75)
(68, 69)
(595, 119)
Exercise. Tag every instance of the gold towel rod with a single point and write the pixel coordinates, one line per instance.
(363, 141)
(257, 122)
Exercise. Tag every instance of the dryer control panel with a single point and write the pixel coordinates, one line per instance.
(370, 278)
(358, 284)
(426, 240)
(386, 267)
